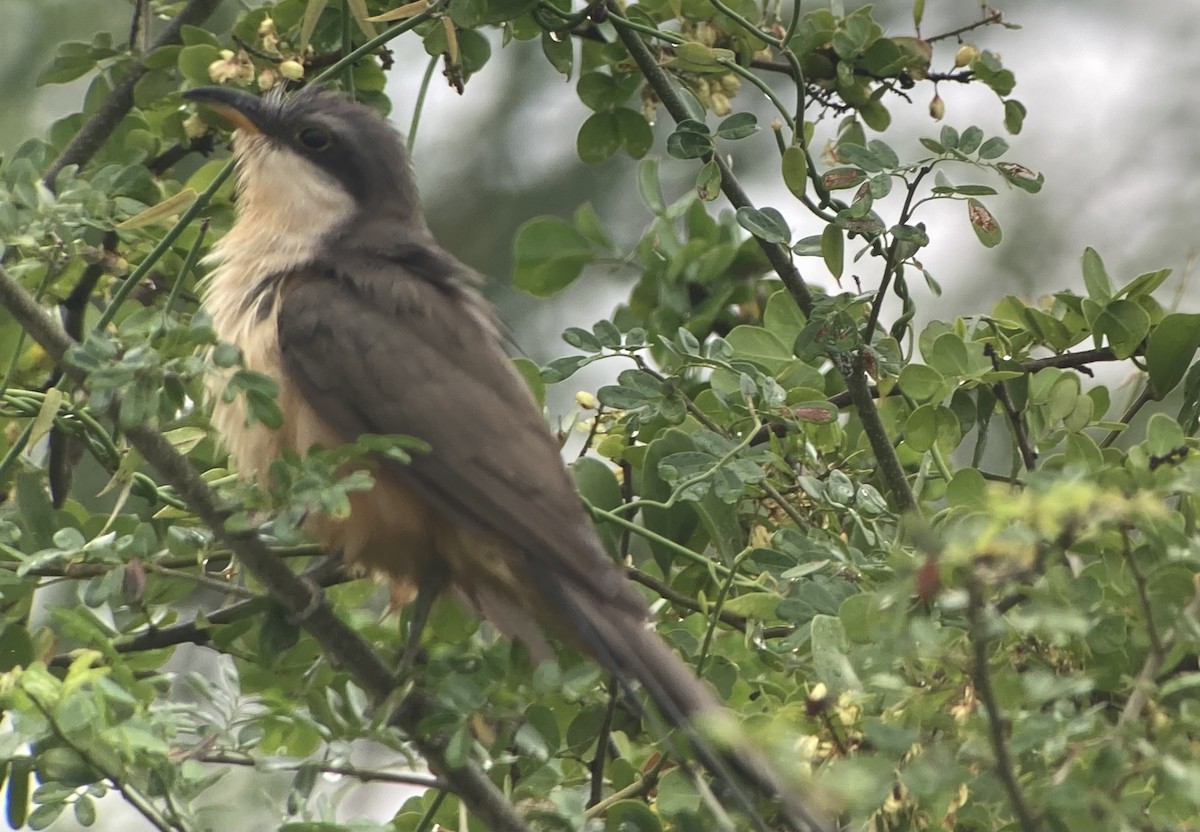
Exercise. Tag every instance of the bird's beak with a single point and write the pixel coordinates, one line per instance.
(242, 109)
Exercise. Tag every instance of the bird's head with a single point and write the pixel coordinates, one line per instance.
(316, 153)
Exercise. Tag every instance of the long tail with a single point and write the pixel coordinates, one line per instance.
(623, 645)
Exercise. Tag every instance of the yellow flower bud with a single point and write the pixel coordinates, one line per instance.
(585, 400)
(266, 27)
(719, 102)
(292, 70)
(965, 55)
(267, 79)
(194, 126)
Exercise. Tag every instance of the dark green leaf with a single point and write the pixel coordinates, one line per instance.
(1095, 277)
(686, 144)
(738, 126)
(833, 249)
(549, 255)
(767, 224)
(1172, 346)
(795, 170)
(599, 138)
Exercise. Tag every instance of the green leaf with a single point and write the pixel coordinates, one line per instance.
(759, 606)
(993, 148)
(970, 140)
(17, 799)
(795, 170)
(634, 132)
(533, 378)
(687, 144)
(782, 317)
(1124, 324)
(767, 224)
(650, 188)
(16, 647)
(932, 424)
(559, 51)
(752, 343)
(1172, 346)
(550, 254)
(708, 181)
(829, 648)
(194, 62)
(631, 816)
(1095, 277)
(1144, 284)
(1014, 116)
(599, 138)
(921, 382)
(833, 250)
(967, 488)
(738, 126)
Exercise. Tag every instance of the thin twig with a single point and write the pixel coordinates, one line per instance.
(364, 775)
(678, 599)
(1015, 420)
(596, 767)
(1139, 581)
(892, 262)
(1143, 398)
(983, 685)
(995, 16)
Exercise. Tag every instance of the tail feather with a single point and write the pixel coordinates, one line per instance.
(623, 645)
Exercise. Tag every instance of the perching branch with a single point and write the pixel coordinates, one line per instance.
(302, 599)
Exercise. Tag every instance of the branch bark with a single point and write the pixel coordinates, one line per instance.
(302, 599)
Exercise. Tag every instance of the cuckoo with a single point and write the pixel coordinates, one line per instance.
(331, 283)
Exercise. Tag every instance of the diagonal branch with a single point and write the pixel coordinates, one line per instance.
(780, 257)
(301, 598)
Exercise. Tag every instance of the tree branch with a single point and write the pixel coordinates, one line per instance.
(302, 599)
(983, 684)
(850, 365)
(364, 775)
(96, 130)
(780, 257)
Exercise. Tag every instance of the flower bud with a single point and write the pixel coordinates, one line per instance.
(965, 55)
(266, 27)
(267, 79)
(194, 126)
(585, 400)
(719, 102)
(937, 108)
(292, 70)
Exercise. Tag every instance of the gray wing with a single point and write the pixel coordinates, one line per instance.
(385, 351)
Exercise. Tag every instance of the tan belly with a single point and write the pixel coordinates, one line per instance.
(389, 528)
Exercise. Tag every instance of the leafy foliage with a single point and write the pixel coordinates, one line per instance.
(961, 596)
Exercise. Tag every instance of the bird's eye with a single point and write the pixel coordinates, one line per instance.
(314, 138)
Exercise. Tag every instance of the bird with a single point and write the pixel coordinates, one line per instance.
(330, 283)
